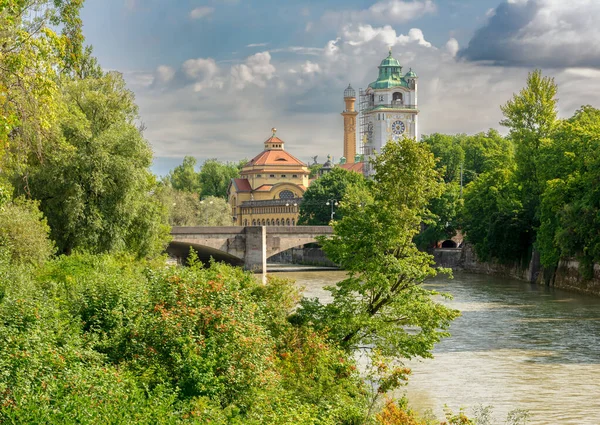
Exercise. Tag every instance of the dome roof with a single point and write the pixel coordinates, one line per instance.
(390, 61)
(349, 92)
(411, 74)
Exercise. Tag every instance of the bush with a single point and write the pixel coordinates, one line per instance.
(24, 232)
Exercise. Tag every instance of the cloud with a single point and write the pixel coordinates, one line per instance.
(387, 11)
(358, 36)
(544, 33)
(201, 12)
(204, 72)
(257, 45)
(256, 70)
(164, 74)
(452, 47)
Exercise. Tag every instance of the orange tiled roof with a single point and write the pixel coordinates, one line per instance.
(264, 188)
(357, 167)
(275, 157)
(242, 185)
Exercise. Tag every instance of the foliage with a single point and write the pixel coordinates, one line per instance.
(383, 298)
(184, 177)
(215, 177)
(214, 211)
(97, 192)
(102, 339)
(570, 224)
(331, 186)
(186, 208)
(24, 232)
(440, 221)
(314, 170)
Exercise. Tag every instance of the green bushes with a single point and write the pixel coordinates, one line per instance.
(105, 339)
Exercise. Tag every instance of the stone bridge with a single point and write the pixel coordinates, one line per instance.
(248, 246)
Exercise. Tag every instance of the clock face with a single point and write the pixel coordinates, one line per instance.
(398, 127)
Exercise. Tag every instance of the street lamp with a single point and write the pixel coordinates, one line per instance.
(333, 204)
(206, 211)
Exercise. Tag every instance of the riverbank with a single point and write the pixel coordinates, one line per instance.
(566, 276)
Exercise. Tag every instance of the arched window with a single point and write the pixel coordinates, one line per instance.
(245, 222)
(287, 222)
(293, 221)
(278, 222)
(263, 222)
(397, 97)
(268, 222)
(286, 194)
(254, 222)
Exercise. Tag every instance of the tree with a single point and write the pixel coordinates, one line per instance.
(97, 192)
(184, 177)
(215, 177)
(24, 232)
(383, 298)
(531, 117)
(570, 206)
(330, 187)
(214, 211)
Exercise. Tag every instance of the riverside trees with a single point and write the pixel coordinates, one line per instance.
(383, 303)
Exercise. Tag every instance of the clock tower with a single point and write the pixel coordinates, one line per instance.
(388, 108)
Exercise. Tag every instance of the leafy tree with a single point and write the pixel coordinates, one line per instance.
(214, 211)
(24, 232)
(382, 297)
(531, 117)
(441, 220)
(485, 152)
(314, 170)
(215, 177)
(449, 152)
(331, 186)
(97, 192)
(184, 177)
(570, 207)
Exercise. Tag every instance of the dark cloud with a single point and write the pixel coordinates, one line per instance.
(539, 33)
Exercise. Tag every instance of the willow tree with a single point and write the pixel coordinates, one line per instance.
(383, 302)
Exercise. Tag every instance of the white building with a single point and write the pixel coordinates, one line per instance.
(388, 109)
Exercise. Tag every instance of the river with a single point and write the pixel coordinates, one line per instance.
(516, 346)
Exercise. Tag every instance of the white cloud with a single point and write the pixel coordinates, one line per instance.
(201, 12)
(386, 11)
(164, 74)
(257, 70)
(311, 68)
(204, 72)
(452, 47)
(386, 35)
(257, 45)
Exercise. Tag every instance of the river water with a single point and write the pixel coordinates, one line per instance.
(516, 346)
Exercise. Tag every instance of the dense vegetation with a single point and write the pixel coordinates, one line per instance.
(537, 188)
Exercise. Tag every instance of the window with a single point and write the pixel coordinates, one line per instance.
(259, 175)
(268, 222)
(287, 222)
(293, 221)
(272, 175)
(278, 222)
(254, 222)
(294, 176)
(283, 176)
(381, 98)
(286, 194)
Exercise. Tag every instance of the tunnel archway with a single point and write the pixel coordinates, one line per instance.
(449, 243)
(181, 250)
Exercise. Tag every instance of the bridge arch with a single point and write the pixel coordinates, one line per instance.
(181, 250)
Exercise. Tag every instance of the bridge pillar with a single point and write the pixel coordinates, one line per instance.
(255, 258)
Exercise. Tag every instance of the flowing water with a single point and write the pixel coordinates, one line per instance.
(516, 346)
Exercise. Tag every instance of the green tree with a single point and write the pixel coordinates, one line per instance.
(383, 298)
(184, 177)
(97, 192)
(214, 211)
(215, 177)
(531, 117)
(570, 207)
(24, 232)
(314, 209)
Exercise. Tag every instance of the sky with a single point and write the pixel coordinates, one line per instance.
(212, 77)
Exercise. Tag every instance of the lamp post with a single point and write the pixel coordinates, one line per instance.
(333, 203)
(206, 211)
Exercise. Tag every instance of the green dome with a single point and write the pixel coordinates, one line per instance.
(390, 61)
(390, 74)
(410, 74)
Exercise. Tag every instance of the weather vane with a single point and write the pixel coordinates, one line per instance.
(274, 130)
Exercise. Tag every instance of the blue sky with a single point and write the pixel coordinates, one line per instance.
(212, 77)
